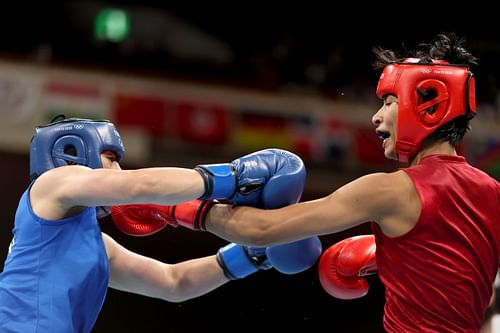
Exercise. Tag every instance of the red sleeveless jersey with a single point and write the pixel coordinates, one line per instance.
(438, 277)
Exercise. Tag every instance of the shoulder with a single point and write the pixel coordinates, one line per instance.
(382, 182)
(396, 186)
(386, 192)
(399, 204)
(63, 171)
(379, 192)
(49, 191)
(56, 177)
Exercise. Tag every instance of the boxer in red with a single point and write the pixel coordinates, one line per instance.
(436, 230)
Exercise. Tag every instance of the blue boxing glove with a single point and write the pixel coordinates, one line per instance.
(259, 179)
(239, 261)
(295, 257)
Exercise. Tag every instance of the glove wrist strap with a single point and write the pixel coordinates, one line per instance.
(235, 262)
(192, 214)
(220, 180)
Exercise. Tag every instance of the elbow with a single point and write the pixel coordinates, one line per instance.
(176, 298)
(175, 287)
(176, 294)
(246, 225)
(260, 235)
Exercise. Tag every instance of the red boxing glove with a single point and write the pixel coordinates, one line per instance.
(343, 265)
(147, 219)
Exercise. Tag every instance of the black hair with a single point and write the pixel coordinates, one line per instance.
(448, 47)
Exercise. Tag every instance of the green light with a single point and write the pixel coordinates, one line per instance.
(112, 25)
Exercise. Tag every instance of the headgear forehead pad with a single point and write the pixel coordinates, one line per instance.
(73, 141)
(429, 95)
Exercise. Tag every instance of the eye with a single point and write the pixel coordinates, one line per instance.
(70, 150)
(110, 156)
(389, 100)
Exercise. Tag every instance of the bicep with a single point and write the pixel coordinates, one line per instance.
(366, 199)
(73, 186)
(99, 187)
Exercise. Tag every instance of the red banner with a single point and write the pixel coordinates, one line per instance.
(145, 112)
(202, 123)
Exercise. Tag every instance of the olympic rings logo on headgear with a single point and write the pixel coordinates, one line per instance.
(428, 97)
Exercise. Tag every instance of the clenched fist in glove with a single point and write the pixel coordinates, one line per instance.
(256, 179)
(342, 267)
(147, 219)
(239, 261)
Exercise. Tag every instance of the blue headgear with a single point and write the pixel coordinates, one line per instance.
(73, 141)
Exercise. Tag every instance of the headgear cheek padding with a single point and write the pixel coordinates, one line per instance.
(73, 141)
(429, 95)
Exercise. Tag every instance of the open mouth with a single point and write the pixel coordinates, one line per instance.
(383, 134)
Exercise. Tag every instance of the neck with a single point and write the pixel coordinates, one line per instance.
(439, 148)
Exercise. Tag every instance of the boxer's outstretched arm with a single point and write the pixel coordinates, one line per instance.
(59, 190)
(388, 199)
(268, 179)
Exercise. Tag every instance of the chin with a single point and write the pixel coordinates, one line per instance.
(390, 154)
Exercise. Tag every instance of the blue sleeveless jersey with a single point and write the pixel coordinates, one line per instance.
(56, 274)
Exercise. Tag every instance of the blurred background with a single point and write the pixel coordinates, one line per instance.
(201, 82)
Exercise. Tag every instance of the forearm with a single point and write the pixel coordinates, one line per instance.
(173, 283)
(242, 224)
(259, 227)
(274, 168)
(108, 187)
(195, 278)
(171, 185)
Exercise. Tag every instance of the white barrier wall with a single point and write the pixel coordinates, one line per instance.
(164, 116)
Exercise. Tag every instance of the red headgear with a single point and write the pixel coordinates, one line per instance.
(429, 95)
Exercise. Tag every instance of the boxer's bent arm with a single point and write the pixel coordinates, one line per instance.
(388, 199)
(135, 273)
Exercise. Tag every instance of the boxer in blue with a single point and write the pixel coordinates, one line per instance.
(59, 263)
